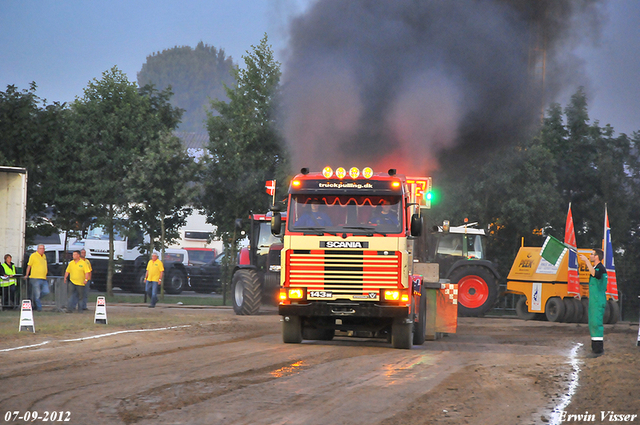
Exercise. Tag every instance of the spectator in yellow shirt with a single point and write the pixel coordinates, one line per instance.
(37, 274)
(153, 277)
(87, 287)
(78, 275)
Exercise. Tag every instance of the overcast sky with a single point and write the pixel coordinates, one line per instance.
(63, 44)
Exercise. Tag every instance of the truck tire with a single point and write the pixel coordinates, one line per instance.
(579, 310)
(569, 310)
(477, 290)
(291, 330)
(522, 310)
(401, 334)
(420, 327)
(607, 313)
(554, 310)
(614, 307)
(245, 292)
(585, 310)
(317, 334)
(175, 282)
(140, 285)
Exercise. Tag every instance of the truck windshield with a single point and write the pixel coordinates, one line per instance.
(100, 233)
(357, 214)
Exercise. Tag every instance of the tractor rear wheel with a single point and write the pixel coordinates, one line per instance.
(522, 310)
(477, 290)
(554, 310)
(246, 292)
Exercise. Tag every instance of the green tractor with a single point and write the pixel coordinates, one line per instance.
(460, 253)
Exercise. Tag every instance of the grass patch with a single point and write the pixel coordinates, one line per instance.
(168, 299)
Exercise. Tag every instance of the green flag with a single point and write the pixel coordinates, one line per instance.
(553, 250)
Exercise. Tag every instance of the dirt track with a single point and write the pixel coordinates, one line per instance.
(226, 369)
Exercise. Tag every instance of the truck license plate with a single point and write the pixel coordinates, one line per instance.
(320, 294)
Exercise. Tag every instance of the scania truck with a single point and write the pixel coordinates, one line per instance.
(347, 262)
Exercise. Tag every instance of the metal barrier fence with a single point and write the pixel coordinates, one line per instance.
(506, 303)
(57, 297)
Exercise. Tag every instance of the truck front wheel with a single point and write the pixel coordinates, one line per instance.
(477, 290)
(291, 330)
(175, 282)
(420, 327)
(245, 292)
(401, 334)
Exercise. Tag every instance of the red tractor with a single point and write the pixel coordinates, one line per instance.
(256, 277)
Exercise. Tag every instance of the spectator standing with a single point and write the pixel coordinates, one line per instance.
(87, 286)
(597, 299)
(78, 275)
(37, 274)
(8, 282)
(153, 277)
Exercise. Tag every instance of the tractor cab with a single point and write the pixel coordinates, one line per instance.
(449, 245)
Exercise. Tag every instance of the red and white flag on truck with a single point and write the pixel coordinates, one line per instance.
(609, 264)
(573, 279)
(271, 187)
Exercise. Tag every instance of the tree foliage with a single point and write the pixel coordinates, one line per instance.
(245, 149)
(160, 191)
(194, 76)
(115, 123)
(30, 133)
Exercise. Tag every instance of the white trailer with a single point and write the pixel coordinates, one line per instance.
(13, 205)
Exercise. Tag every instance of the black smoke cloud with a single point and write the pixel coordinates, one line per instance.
(397, 83)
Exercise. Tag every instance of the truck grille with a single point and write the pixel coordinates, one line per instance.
(344, 273)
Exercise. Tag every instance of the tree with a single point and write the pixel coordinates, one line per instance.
(244, 148)
(159, 187)
(29, 129)
(114, 123)
(194, 75)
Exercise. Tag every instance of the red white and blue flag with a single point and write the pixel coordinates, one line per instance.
(609, 264)
(573, 278)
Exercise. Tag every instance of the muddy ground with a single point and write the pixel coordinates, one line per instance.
(225, 369)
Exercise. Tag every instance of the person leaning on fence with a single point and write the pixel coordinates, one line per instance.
(597, 299)
(37, 274)
(8, 282)
(87, 286)
(78, 275)
(153, 277)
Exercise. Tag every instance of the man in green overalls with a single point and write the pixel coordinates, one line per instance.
(597, 299)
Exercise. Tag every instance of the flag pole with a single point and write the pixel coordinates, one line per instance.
(274, 192)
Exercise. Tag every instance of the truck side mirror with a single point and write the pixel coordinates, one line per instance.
(239, 224)
(416, 225)
(276, 223)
